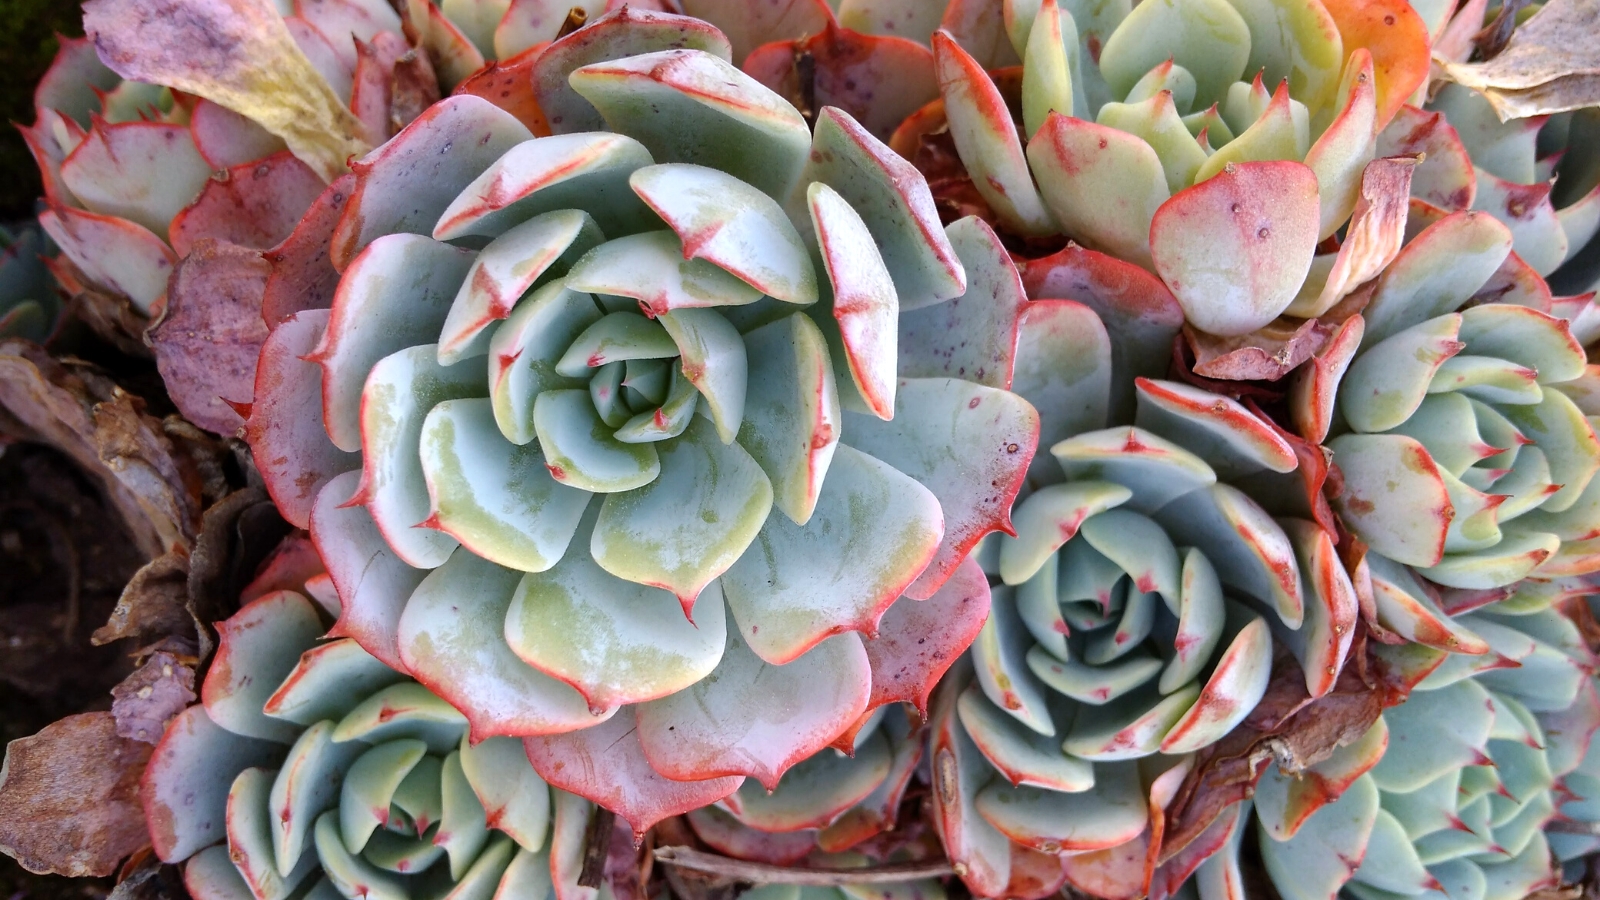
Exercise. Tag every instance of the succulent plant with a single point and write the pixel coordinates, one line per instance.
(1139, 598)
(1469, 787)
(755, 344)
(29, 305)
(1126, 121)
(311, 768)
(1467, 452)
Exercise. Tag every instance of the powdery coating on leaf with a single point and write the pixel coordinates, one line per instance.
(918, 640)
(607, 765)
(149, 698)
(69, 797)
(207, 342)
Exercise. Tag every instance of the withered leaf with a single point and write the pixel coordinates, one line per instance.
(1266, 354)
(154, 485)
(69, 797)
(155, 602)
(207, 341)
(1551, 65)
(237, 53)
(149, 698)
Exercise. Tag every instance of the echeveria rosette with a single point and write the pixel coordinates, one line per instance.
(1145, 142)
(1471, 788)
(29, 304)
(643, 404)
(1462, 431)
(1140, 596)
(312, 769)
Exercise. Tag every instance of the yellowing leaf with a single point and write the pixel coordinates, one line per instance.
(237, 53)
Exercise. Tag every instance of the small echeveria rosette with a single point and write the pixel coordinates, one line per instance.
(311, 769)
(1480, 785)
(1462, 429)
(1153, 563)
(662, 445)
(1217, 144)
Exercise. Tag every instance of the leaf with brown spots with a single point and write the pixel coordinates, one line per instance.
(69, 797)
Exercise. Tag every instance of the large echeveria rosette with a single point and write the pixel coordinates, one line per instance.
(1153, 563)
(644, 448)
(1462, 427)
(1479, 785)
(312, 769)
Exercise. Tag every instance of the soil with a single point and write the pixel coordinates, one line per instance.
(63, 561)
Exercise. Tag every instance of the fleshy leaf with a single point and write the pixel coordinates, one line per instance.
(987, 139)
(186, 783)
(607, 765)
(257, 648)
(751, 718)
(724, 221)
(791, 418)
(615, 641)
(1102, 184)
(893, 199)
(1231, 287)
(991, 434)
(875, 528)
(688, 106)
(864, 299)
(906, 662)
(937, 341)
(452, 639)
(373, 582)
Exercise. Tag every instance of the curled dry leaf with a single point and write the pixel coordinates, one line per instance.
(149, 698)
(182, 591)
(1287, 728)
(111, 316)
(1551, 65)
(238, 54)
(1267, 354)
(207, 341)
(69, 797)
(156, 483)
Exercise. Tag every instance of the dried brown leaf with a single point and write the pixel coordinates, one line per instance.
(237, 53)
(207, 341)
(156, 488)
(154, 603)
(1267, 354)
(1551, 65)
(149, 698)
(69, 797)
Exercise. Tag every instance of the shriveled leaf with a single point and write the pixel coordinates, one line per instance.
(240, 55)
(1547, 68)
(69, 797)
(208, 340)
